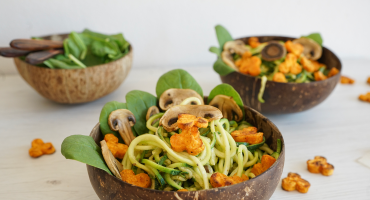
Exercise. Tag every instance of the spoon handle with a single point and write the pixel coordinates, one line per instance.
(10, 52)
(35, 45)
(41, 56)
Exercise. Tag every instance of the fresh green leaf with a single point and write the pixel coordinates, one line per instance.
(228, 90)
(100, 49)
(138, 102)
(104, 115)
(215, 50)
(221, 68)
(223, 35)
(62, 65)
(80, 44)
(315, 37)
(84, 149)
(177, 78)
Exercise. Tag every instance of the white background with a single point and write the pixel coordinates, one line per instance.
(173, 33)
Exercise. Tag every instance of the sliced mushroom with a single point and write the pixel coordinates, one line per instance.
(311, 49)
(122, 120)
(231, 47)
(173, 97)
(273, 51)
(151, 111)
(113, 164)
(228, 106)
(169, 119)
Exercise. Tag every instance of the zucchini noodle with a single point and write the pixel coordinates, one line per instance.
(169, 170)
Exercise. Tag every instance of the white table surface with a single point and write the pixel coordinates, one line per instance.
(338, 129)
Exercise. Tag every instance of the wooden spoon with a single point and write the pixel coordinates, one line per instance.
(41, 56)
(11, 52)
(35, 45)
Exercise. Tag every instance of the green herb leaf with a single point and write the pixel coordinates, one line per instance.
(223, 35)
(221, 68)
(84, 149)
(315, 37)
(104, 115)
(177, 78)
(215, 50)
(138, 102)
(228, 90)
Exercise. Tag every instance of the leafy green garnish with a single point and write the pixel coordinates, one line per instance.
(221, 68)
(138, 102)
(84, 149)
(228, 90)
(215, 50)
(223, 36)
(104, 115)
(315, 37)
(177, 78)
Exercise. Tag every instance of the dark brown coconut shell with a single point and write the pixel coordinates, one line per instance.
(284, 97)
(262, 187)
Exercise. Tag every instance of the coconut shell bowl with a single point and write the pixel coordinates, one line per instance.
(261, 187)
(72, 86)
(284, 97)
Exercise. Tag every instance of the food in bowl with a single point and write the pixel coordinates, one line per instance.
(183, 144)
(293, 61)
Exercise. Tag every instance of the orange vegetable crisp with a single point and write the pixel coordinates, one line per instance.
(296, 49)
(365, 97)
(295, 182)
(141, 180)
(40, 148)
(118, 150)
(266, 162)
(320, 165)
(253, 42)
(189, 138)
(249, 135)
(346, 80)
(221, 180)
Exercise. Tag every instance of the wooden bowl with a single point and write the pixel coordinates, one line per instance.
(262, 187)
(284, 97)
(72, 86)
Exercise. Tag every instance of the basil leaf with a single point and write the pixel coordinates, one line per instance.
(221, 68)
(223, 35)
(104, 115)
(84, 149)
(215, 50)
(177, 78)
(228, 90)
(138, 102)
(315, 37)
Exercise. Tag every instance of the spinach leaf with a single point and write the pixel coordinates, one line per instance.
(104, 115)
(177, 78)
(84, 149)
(223, 35)
(221, 68)
(227, 90)
(215, 50)
(315, 37)
(138, 102)
(99, 49)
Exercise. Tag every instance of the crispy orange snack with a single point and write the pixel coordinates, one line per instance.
(221, 180)
(308, 65)
(320, 165)
(290, 65)
(279, 77)
(141, 180)
(40, 148)
(365, 97)
(368, 80)
(333, 71)
(346, 80)
(253, 42)
(189, 138)
(251, 66)
(266, 162)
(249, 135)
(182, 190)
(296, 49)
(118, 150)
(295, 182)
(319, 76)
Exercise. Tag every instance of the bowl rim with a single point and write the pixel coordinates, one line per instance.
(291, 83)
(97, 126)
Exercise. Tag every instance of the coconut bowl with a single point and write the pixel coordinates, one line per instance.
(259, 188)
(284, 97)
(71, 86)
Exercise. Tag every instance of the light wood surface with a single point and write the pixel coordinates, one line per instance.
(337, 129)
